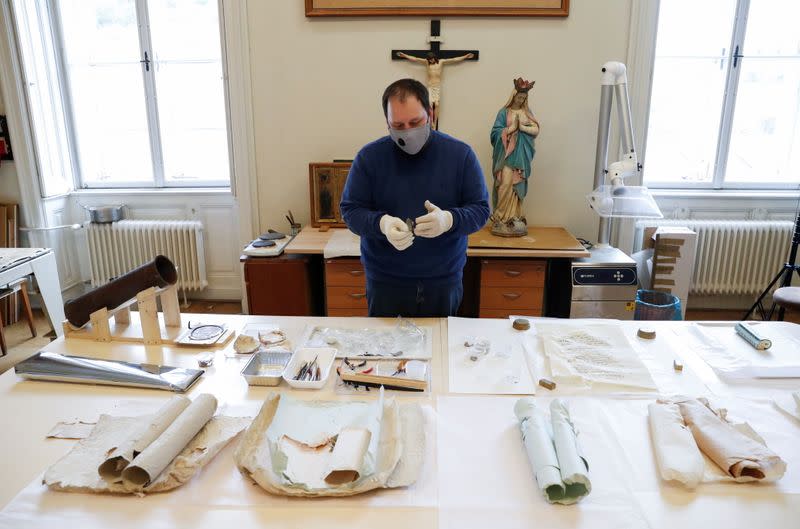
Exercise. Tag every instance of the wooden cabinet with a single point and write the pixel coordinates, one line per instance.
(282, 286)
(512, 286)
(345, 287)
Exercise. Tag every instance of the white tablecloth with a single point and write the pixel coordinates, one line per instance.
(476, 472)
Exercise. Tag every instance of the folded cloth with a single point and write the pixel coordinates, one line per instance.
(552, 448)
(742, 457)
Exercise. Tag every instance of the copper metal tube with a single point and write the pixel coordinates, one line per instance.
(159, 272)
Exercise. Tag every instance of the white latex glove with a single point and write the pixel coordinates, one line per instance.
(397, 232)
(435, 223)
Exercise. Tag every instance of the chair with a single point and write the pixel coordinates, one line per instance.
(21, 286)
(787, 298)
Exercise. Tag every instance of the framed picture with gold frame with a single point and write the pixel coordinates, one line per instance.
(480, 8)
(326, 183)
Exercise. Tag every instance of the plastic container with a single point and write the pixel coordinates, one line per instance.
(654, 305)
(265, 368)
(325, 357)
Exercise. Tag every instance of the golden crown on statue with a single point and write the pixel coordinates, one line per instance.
(521, 85)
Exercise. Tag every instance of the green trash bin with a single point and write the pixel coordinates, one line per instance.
(654, 305)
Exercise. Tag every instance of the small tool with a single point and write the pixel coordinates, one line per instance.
(411, 223)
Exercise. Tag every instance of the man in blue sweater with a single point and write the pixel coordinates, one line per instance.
(414, 196)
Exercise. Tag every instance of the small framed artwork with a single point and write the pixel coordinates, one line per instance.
(5, 141)
(326, 183)
(483, 8)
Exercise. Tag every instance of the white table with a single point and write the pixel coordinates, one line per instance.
(41, 262)
(476, 473)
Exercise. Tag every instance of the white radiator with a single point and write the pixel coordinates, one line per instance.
(118, 247)
(736, 257)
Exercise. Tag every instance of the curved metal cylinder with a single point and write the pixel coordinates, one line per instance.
(159, 272)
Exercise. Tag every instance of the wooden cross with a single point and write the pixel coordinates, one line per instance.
(434, 60)
(435, 48)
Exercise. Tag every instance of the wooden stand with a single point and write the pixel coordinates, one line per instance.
(148, 326)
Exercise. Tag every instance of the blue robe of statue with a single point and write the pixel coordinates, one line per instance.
(519, 158)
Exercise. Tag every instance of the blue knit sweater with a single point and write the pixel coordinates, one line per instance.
(384, 179)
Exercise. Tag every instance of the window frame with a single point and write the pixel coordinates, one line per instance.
(733, 58)
(151, 105)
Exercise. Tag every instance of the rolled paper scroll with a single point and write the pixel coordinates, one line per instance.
(540, 449)
(677, 455)
(121, 456)
(737, 454)
(347, 457)
(560, 472)
(155, 458)
(573, 466)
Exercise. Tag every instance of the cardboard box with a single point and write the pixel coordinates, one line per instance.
(672, 264)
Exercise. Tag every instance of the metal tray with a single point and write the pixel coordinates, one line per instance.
(265, 368)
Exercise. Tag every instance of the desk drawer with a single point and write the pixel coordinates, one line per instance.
(522, 273)
(354, 297)
(505, 298)
(344, 272)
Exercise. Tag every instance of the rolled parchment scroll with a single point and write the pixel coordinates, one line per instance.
(562, 474)
(111, 469)
(149, 464)
(740, 456)
(347, 457)
(677, 455)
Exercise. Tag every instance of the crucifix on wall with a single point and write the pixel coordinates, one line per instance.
(434, 60)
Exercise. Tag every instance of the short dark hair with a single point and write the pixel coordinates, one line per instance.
(404, 88)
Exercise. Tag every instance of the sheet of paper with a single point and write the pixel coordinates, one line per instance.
(676, 452)
(77, 471)
(592, 353)
(496, 486)
(731, 356)
(405, 340)
(789, 403)
(341, 244)
(261, 456)
(71, 430)
(503, 368)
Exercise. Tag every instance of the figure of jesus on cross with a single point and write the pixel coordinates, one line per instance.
(434, 60)
(434, 66)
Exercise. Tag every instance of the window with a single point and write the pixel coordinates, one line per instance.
(725, 101)
(144, 91)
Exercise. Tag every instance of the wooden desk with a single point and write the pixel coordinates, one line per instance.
(549, 242)
(499, 279)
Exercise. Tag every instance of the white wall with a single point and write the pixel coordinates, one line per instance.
(317, 83)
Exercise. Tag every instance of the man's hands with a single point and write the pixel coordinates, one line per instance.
(435, 223)
(397, 232)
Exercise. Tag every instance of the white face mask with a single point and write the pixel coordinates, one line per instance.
(411, 140)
